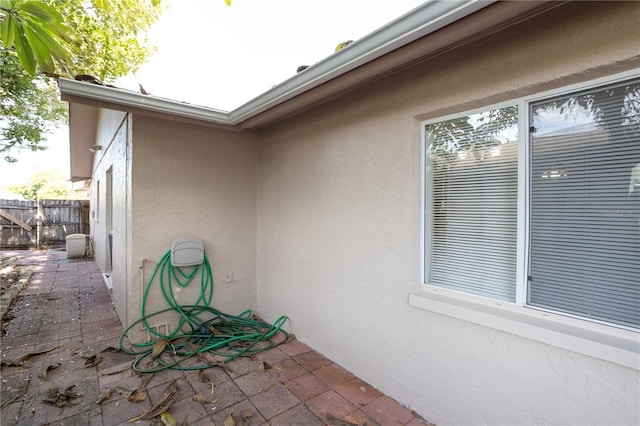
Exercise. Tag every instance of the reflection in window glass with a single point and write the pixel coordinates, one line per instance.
(585, 205)
(471, 203)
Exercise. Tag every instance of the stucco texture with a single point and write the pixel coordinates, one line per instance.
(193, 182)
(339, 191)
(111, 181)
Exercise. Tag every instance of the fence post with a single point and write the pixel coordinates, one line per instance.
(39, 224)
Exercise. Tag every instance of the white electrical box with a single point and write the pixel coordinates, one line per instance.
(187, 252)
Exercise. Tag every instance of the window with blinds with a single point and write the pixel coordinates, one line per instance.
(471, 203)
(581, 228)
(585, 204)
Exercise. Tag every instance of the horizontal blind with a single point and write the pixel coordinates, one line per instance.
(471, 197)
(585, 204)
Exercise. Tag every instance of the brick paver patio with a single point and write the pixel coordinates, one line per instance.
(66, 310)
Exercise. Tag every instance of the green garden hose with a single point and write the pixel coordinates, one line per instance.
(202, 332)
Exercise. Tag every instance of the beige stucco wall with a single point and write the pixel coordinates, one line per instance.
(113, 136)
(339, 190)
(194, 182)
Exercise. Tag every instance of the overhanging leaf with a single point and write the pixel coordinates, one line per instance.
(41, 54)
(7, 29)
(51, 42)
(41, 11)
(23, 50)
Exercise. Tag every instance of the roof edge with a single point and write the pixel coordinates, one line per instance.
(78, 89)
(423, 20)
(419, 22)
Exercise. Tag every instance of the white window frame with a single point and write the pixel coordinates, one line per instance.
(600, 340)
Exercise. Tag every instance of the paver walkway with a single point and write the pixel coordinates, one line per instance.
(66, 310)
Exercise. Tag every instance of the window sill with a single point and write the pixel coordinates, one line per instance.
(596, 340)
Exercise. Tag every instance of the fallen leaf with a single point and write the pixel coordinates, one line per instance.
(204, 377)
(60, 399)
(158, 348)
(117, 371)
(19, 362)
(199, 398)
(124, 391)
(215, 331)
(169, 396)
(105, 394)
(110, 349)
(263, 366)
(167, 419)
(138, 396)
(92, 361)
(229, 421)
(48, 368)
(244, 419)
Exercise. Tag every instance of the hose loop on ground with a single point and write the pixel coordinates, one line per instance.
(204, 337)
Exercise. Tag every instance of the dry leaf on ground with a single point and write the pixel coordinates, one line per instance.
(105, 394)
(48, 368)
(169, 396)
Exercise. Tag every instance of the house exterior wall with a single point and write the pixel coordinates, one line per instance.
(198, 182)
(110, 181)
(339, 193)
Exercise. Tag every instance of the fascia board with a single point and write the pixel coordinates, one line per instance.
(421, 21)
(77, 89)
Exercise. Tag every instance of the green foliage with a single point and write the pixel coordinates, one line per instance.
(109, 37)
(44, 185)
(36, 31)
(104, 38)
(29, 105)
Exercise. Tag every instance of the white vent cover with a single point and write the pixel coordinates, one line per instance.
(187, 252)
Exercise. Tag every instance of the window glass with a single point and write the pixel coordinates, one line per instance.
(471, 202)
(585, 204)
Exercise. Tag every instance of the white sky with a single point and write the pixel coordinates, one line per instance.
(221, 57)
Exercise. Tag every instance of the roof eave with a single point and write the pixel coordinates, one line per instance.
(421, 21)
(74, 91)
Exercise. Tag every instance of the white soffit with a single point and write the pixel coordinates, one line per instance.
(421, 21)
(83, 133)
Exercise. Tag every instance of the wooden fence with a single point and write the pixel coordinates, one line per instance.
(41, 224)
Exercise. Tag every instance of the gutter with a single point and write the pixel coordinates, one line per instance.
(421, 21)
(73, 91)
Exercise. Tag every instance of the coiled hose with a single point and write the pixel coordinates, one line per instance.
(201, 330)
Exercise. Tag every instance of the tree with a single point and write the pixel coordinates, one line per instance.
(103, 38)
(47, 184)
